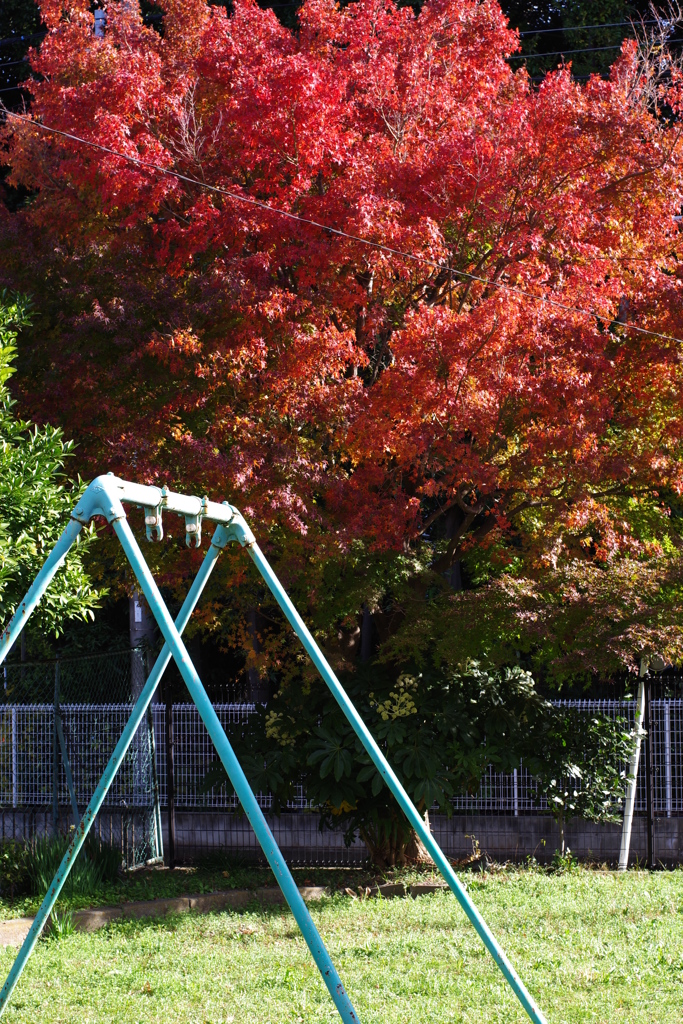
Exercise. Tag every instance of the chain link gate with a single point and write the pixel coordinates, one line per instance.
(58, 721)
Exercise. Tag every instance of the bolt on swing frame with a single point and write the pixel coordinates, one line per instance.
(105, 497)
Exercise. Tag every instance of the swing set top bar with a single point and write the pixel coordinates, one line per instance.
(106, 494)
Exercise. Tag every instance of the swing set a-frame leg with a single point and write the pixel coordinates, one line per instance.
(175, 648)
(390, 778)
(236, 775)
(115, 760)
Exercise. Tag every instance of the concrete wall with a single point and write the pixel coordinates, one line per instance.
(500, 837)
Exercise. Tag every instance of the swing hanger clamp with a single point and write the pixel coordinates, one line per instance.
(193, 509)
(154, 528)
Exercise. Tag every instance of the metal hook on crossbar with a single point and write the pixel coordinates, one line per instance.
(153, 525)
(193, 526)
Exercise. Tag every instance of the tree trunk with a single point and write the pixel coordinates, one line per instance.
(416, 851)
(393, 843)
(453, 575)
(366, 635)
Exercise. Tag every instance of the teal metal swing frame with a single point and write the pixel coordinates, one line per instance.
(105, 497)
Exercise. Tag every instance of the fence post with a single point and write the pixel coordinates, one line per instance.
(634, 764)
(515, 793)
(667, 755)
(158, 835)
(170, 775)
(14, 758)
(63, 748)
(55, 756)
(141, 633)
(649, 768)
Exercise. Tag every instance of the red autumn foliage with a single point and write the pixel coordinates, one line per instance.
(315, 380)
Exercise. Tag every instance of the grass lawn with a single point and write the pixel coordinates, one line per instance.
(591, 945)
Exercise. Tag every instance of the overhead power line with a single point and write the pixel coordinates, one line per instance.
(13, 40)
(575, 78)
(585, 28)
(514, 56)
(378, 246)
(562, 53)
(17, 38)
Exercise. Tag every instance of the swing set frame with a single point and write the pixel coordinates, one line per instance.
(105, 497)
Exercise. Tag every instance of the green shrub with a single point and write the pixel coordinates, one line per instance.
(107, 857)
(438, 729)
(96, 863)
(61, 924)
(14, 876)
(580, 766)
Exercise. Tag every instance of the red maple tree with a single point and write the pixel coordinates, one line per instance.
(481, 396)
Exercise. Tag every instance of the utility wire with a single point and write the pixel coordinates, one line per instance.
(561, 53)
(585, 28)
(11, 40)
(575, 78)
(379, 246)
(513, 56)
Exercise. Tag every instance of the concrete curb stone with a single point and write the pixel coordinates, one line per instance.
(389, 890)
(14, 931)
(427, 888)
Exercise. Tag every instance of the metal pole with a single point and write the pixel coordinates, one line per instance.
(14, 758)
(42, 581)
(667, 754)
(235, 773)
(105, 782)
(387, 773)
(55, 756)
(63, 747)
(155, 775)
(158, 834)
(170, 775)
(141, 630)
(67, 768)
(632, 784)
(649, 766)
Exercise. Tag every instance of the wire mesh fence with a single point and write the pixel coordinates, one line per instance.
(506, 813)
(91, 679)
